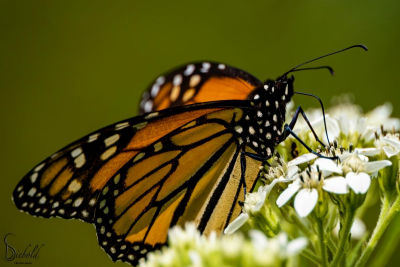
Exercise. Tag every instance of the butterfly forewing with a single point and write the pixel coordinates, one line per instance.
(67, 183)
(61, 185)
(191, 174)
(196, 83)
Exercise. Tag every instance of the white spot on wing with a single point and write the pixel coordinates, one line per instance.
(154, 90)
(194, 80)
(238, 129)
(78, 202)
(80, 161)
(251, 130)
(42, 200)
(148, 106)
(32, 192)
(76, 152)
(221, 66)
(34, 177)
(74, 186)
(111, 140)
(121, 125)
(177, 80)
(93, 137)
(160, 80)
(189, 69)
(39, 167)
(92, 202)
(205, 67)
(152, 115)
(108, 153)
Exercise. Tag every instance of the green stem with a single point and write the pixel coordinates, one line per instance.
(331, 245)
(343, 237)
(389, 245)
(322, 245)
(382, 224)
(311, 256)
(299, 223)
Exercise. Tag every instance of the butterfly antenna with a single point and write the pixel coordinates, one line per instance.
(329, 68)
(323, 111)
(327, 55)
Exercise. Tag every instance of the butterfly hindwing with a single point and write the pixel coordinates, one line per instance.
(196, 83)
(190, 174)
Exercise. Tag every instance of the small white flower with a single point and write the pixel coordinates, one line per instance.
(380, 116)
(279, 245)
(388, 144)
(187, 235)
(306, 187)
(359, 171)
(195, 258)
(254, 201)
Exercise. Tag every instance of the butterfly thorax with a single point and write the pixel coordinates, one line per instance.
(262, 126)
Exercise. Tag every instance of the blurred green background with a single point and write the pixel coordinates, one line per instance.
(68, 68)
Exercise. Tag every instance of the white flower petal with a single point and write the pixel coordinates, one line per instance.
(236, 224)
(302, 159)
(288, 193)
(392, 141)
(369, 133)
(292, 171)
(266, 189)
(358, 229)
(391, 123)
(282, 239)
(258, 239)
(305, 201)
(375, 166)
(390, 151)
(195, 258)
(336, 184)
(380, 113)
(262, 194)
(370, 151)
(359, 182)
(332, 127)
(327, 165)
(296, 245)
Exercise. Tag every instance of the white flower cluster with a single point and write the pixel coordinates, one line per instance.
(187, 247)
(352, 171)
(348, 119)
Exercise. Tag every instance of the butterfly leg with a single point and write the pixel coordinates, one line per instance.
(288, 130)
(299, 111)
(243, 155)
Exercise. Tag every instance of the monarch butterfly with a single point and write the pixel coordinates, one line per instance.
(204, 131)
